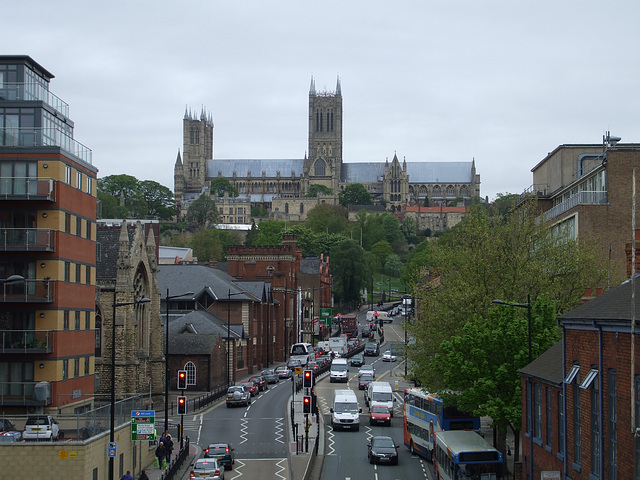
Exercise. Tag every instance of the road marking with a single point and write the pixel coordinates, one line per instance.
(244, 425)
(279, 433)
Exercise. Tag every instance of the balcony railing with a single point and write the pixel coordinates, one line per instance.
(28, 291)
(33, 91)
(17, 393)
(44, 137)
(26, 239)
(26, 341)
(27, 188)
(581, 198)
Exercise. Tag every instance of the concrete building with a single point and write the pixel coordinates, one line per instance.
(47, 238)
(281, 184)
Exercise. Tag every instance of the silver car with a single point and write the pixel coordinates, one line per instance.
(238, 395)
(207, 468)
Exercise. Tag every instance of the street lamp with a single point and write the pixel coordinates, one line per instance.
(10, 279)
(167, 374)
(113, 370)
(521, 305)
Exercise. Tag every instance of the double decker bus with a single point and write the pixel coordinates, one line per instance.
(465, 455)
(424, 414)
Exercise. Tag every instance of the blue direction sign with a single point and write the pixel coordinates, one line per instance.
(112, 449)
(143, 425)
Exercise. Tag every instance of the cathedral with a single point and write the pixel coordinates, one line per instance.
(280, 184)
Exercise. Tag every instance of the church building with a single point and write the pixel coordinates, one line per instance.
(280, 184)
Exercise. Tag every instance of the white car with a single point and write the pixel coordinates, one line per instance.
(207, 468)
(366, 369)
(41, 427)
(388, 357)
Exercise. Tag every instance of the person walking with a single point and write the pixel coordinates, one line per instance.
(160, 454)
(168, 447)
(143, 476)
(127, 476)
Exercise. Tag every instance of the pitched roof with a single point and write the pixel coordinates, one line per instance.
(195, 333)
(547, 367)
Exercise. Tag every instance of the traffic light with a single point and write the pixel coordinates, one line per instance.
(314, 403)
(182, 405)
(182, 379)
(307, 379)
(306, 404)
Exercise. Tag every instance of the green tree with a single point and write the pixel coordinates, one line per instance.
(316, 189)
(269, 233)
(409, 228)
(110, 208)
(202, 212)
(393, 265)
(325, 218)
(505, 203)
(354, 194)
(482, 362)
(158, 199)
(208, 243)
(220, 185)
(382, 250)
(347, 269)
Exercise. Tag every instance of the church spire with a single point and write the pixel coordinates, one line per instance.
(178, 159)
(338, 87)
(312, 88)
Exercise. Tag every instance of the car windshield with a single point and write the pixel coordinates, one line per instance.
(235, 389)
(206, 465)
(382, 396)
(383, 442)
(388, 352)
(346, 407)
(379, 409)
(366, 377)
(339, 368)
(37, 421)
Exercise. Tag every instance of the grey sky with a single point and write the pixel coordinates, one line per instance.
(504, 82)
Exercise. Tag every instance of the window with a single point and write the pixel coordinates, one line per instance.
(67, 271)
(77, 320)
(65, 369)
(79, 180)
(88, 231)
(98, 330)
(613, 426)
(87, 320)
(537, 412)
(67, 222)
(76, 367)
(560, 423)
(78, 270)
(588, 380)
(549, 422)
(595, 430)
(577, 440)
(67, 175)
(89, 185)
(572, 373)
(65, 320)
(87, 365)
(78, 226)
(191, 373)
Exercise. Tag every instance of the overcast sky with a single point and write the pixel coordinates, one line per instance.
(501, 82)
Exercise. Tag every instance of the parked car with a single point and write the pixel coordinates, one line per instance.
(237, 395)
(207, 468)
(10, 437)
(388, 356)
(270, 376)
(41, 427)
(260, 381)
(223, 452)
(382, 449)
(364, 380)
(251, 387)
(357, 360)
(379, 414)
(283, 371)
(371, 349)
(366, 369)
(7, 426)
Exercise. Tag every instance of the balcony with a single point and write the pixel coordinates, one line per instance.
(17, 393)
(581, 198)
(27, 188)
(29, 291)
(26, 341)
(26, 239)
(27, 92)
(44, 137)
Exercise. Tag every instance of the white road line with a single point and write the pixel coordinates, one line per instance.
(244, 426)
(279, 433)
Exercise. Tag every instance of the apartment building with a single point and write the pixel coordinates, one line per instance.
(47, 248)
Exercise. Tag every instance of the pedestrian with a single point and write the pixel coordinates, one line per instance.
(143, 476)
(160, 454)
(127, 476)
(168, 447)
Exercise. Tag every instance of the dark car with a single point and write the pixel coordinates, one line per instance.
(364, 380)
(365, 331)
(357, 360)
(223, 452)
(251, 387)
(382, 449)
(371, 349)
(260, 381)
(237, 395)
(270, 376)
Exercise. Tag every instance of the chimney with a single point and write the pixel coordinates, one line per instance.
(213, 263)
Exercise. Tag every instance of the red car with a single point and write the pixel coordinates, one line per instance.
(379, 415)
(252, 387)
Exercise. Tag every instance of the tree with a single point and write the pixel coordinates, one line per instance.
(269, 233)
(220, 185)
(110, 208)
(382, 250)
(354, 194)
(208, 243)
(409, 228)
(325, 218)
(316, 189)
(393, 265)
(347, 268)
(482, 362)
(158, 198)
(202, 212)
(141, 198)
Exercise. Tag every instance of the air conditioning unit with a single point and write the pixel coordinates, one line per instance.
(42, 392)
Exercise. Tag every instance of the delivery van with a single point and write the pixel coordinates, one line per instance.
(339, 371)
(379, 392)
(345, 411)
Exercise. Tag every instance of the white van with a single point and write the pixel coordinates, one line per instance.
(377, 315)
(345, 412)
(379, 392)
(339, 371)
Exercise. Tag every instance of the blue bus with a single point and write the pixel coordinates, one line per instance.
(424, 414)
(465, 455)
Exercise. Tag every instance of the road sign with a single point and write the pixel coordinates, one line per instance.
(112, 449)
(143, 425)
(325, 316)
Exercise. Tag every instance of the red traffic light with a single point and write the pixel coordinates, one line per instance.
(182, 405)
(307, 378)
(182, 379)
(306, 404)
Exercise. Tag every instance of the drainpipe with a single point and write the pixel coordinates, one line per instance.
(564, 400)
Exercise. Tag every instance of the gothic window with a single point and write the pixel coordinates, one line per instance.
(437, 192)
(140, 290)
(301, 208)
(286, 208)
(191, 373)
(320, 168)
(451, 192)
(464, 191)
(317, 120)
(321, 120)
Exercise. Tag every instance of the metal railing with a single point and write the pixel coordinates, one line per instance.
(30, 291)
(44, 137)
(581, 198)
(26, 341)
(20, 91)
(29, 188)
(26, 239)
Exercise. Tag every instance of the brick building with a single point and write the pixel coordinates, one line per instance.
(581, 399)
(47, 241)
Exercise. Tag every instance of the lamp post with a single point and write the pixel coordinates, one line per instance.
(167, 374)
(10, 279)
(521, 305)
(229, 333)
(113, 371)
